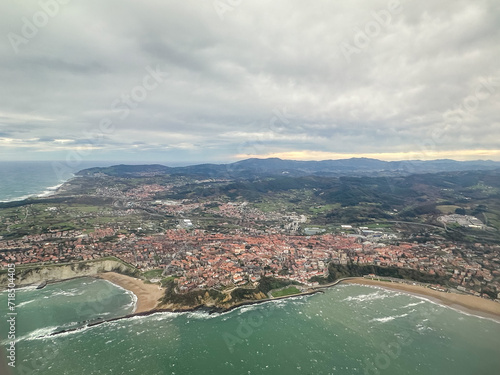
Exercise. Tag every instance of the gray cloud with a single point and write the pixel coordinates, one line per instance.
(226, 81)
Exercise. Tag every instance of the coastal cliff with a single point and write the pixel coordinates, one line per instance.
(207, 299)
(219, 300)
(56, 272)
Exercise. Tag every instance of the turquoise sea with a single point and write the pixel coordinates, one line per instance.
(349, 329)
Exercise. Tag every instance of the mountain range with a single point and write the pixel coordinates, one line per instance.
(249, 168)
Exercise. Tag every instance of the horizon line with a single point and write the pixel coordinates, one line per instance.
(186, 162)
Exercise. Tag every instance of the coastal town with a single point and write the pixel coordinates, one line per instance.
(216, 233)
(234, 187)
(199, 259)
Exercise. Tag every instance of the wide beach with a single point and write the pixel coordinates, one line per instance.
(147, 294)
(466, 303)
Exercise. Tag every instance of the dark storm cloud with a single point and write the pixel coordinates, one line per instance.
(201, 81)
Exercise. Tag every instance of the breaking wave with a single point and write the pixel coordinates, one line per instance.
(388, 318)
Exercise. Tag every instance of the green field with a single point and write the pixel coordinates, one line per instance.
(447, 209)
(291, 290)
(151, 274)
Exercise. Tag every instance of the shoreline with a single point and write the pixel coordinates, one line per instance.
(129, 283)
(145, 301)
(48, 191)
(464, 303)
(148, 305)
(147, 295)
(468, 304)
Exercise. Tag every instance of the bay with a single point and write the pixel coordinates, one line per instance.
(349, 329)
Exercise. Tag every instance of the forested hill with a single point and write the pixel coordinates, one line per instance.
(274, 166)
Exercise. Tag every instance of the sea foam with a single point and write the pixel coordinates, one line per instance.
(388, 318)
(368, 297)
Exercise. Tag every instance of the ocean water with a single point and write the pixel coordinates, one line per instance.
(349, 329)
(67, 305)
(20, 180)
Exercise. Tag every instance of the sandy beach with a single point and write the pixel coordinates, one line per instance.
(147, 294)
(466, 303)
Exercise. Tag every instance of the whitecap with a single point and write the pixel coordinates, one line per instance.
(388, 318)
(49, 191)
(200, 315)
(368, 297)
(38, 333)
(154, 317)
(15, 199)
(130, 293)
(248, 308)
(67, 293)
(28, 288)
(413, 304)
(25, 303)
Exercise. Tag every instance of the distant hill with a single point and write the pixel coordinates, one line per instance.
(123, 170)
(250, 168)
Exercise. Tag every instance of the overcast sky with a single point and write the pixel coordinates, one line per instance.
(171, 81)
